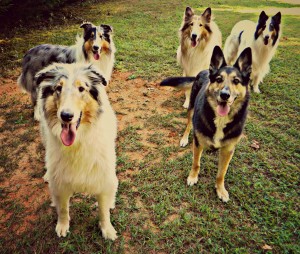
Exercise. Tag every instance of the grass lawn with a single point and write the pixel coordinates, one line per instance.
(156, 212)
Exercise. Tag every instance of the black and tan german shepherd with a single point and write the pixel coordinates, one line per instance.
(217, 111)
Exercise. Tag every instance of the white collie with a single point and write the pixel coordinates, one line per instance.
(263, 38)
(199, 34)
(79, 128)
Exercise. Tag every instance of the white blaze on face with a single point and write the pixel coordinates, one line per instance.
(97, 44)
(69, 112)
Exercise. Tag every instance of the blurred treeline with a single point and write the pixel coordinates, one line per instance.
(30, 13)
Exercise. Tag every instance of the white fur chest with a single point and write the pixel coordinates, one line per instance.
(196, 59)
(220, 123)
(89, 164)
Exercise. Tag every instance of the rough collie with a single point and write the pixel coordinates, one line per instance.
(199, 34)
(263, 38)
(96, 46)
(217, 111)
(78, 127)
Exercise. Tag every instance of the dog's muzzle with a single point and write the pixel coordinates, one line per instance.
(266, 39)
(224, 104)
(69, 130)
(96, 53)
(194, 40)
(225, 94)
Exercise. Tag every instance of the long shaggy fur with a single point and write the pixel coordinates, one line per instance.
(199, 34)
(78, 127)
(263, 38)
(95, 46)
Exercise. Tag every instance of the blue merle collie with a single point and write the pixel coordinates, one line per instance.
(263, 38)
(96, 46)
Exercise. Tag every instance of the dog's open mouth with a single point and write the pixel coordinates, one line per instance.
(68, 132)
(223, 108)
(193, 42)
(96, 55)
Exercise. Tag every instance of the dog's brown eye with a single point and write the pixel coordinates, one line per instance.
(192, 24)
(219, 79)
(81, 89)
(200, 25)
(236, 81)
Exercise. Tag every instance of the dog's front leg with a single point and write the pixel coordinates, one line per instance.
(197, 152)
(61, 202)
(255, 82)
(225, 156)
(105, 203)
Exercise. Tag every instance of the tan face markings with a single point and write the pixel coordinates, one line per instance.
(82, 86)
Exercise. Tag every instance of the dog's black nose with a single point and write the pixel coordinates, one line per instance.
(224, 94)
(66, 116)
(194, 36)
(95, 48)
(267, 37)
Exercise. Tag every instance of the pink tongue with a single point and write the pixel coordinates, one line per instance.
(223, 110)
(68, 134)
(96, 56)
(193, 43)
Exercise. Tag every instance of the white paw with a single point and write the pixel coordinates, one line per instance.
(113, 205)
(186, 104)
(184, 141)
(108, 232)
(256, 90)
(223, 194)
(192, 180)
(62, 229)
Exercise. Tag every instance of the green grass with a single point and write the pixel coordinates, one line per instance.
(155, 210)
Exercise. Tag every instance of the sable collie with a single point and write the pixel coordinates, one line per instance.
(217, 111)
(263, 38)
(199, 34)
(96, 46)
(78, 127)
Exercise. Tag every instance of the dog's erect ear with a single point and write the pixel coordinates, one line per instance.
(244, 63)
(276, 19)
(263, 17)
(188, 13)
(217, 60)
(86, 25)
(207, 15)
(261, 24)
(275, 22)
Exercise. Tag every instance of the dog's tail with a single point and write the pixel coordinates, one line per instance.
(179, 82)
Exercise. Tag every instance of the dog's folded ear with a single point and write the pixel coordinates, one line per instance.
(86, 25)
(217, 60)
(261, 24)
(188, 13)
(95, 76)
(107, 29)
(244, 62)
(207, 14)
(47, 74)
